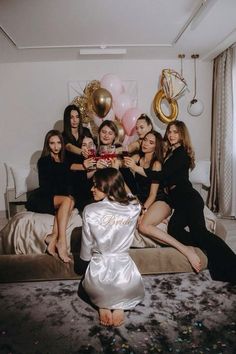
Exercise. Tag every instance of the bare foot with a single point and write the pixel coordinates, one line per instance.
(118, 317)
(62, 252)
(51, 241)
(193, 258)
(105, 317)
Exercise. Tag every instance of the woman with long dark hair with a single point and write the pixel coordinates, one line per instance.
(54, 195)
(112, 280)
(73, 130)
(149, 158)
(188, 205)
(75, 156)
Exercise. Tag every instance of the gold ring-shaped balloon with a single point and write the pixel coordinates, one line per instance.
(160, 95)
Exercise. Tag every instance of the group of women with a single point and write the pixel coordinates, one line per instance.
(136, 186)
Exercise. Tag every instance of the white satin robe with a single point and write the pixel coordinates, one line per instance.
(112, 279)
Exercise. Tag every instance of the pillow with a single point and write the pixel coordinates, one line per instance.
(9, 177)
(201, 173)
(25, 178)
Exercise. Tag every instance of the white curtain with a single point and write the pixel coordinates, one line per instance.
(223, 166)
(234, 134)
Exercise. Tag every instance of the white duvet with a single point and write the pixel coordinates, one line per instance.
(25, 232)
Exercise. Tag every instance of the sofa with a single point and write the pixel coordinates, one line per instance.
(23, 257)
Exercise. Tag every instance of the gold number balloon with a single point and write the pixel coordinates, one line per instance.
(160, 95)
(101, 102)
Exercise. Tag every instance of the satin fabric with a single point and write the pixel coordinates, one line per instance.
(112, 279)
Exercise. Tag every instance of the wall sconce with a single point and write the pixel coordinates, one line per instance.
(195, 107)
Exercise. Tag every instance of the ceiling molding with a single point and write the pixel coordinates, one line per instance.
(223, 45)
(8, 36)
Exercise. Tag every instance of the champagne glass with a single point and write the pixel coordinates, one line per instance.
(111, 151)
(125, 152)
(103, 151)
(92, 150)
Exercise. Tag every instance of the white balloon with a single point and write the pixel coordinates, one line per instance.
(195, 107)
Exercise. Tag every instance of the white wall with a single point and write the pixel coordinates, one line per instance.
(33, 97)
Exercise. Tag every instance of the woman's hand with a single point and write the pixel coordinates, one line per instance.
(85, 152)
(130, 163)
(140, 218)
(89, 163)
(115, 163)
(103, 163)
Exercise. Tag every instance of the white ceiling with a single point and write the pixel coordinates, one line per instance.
(148, 29)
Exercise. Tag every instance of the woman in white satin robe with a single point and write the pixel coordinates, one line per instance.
(112, 280)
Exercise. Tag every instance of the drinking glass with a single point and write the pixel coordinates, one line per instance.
(92, 151)
(125, 152)
(103, 151)
(111, 151)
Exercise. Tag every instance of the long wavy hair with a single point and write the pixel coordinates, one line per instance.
(185, 139)
(158, 152)
(110, 181)
(67, 124)
(46, 148)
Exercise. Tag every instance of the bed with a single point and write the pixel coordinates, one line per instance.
(22, 247)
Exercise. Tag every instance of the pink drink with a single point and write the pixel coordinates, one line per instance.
(92, 153)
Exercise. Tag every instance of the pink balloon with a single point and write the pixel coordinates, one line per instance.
(121, 105)
(113, 84)
(129, 120)
(98, 120)
(129, 139)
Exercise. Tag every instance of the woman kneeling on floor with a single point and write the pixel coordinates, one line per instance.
(112, 280)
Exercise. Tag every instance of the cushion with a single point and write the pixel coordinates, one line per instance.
(25, 178)
(201, 173)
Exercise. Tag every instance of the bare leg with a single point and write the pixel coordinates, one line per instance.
(157, 212)
(105, 317)
(51, 239)
(118, 317)
(65, 207)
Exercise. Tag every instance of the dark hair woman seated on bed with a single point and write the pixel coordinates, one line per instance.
(55, 193)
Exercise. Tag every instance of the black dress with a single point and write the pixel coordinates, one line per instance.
(143, 185)
(53, 180)
(188, 211)
(78, 179)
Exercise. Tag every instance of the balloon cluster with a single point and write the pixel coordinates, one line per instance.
(107, 100)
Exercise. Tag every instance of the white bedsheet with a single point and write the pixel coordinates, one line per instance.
(25, 232)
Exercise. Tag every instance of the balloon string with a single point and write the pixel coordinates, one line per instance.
(195, 79)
